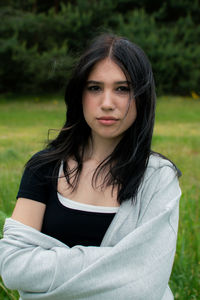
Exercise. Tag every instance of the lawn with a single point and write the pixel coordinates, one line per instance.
(24, 125)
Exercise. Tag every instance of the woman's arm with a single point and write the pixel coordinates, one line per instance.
(29, 212)
(32, 196)
(139, 265)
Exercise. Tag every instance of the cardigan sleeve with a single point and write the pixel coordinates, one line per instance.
(138, 267)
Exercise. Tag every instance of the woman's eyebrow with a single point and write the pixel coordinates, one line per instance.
(123, 82)
(100, 82)
(94, 82)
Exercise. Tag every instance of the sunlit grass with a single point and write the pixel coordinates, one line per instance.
(24, 125)
(177, 135)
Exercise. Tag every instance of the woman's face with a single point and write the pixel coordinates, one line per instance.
(107, 107)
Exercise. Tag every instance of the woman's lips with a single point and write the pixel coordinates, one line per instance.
(107, 120)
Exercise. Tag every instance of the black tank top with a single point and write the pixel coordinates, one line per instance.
(75, 226)
(64, 219)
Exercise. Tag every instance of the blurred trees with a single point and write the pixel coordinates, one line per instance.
(40, 40)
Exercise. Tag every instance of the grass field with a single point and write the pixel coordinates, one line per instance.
(23, 129)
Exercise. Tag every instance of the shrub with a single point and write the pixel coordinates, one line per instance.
(37, 51)
(173, 50)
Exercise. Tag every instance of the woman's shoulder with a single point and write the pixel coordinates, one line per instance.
(41, 162)
(157, 161)
(160, 164)
(160, 181)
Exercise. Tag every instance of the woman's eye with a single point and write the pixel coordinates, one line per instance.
(93, 88)
(123, 89)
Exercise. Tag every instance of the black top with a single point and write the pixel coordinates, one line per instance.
(71, 226)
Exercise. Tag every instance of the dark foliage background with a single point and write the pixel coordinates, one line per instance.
(40, 40)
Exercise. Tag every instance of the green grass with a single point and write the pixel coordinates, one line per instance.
(24, 124)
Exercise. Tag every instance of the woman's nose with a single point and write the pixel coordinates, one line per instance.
(107, 101)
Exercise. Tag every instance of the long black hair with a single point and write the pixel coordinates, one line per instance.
(129, 160)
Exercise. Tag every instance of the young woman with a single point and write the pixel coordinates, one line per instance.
(97, 210)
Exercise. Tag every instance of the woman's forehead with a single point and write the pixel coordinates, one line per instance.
(106, 69)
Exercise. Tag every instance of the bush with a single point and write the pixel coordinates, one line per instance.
(37, 51)
(27, 70)
(173, 50)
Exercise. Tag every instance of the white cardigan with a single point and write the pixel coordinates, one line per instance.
(134, 261)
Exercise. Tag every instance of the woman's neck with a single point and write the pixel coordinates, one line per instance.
(98, 149)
